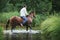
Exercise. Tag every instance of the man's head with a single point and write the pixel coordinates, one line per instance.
(25, 6)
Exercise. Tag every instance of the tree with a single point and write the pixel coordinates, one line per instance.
(40, 6)
(3, 4)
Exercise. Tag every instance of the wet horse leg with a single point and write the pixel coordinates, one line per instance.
(13, 27)
(30, 28)
(26, 28)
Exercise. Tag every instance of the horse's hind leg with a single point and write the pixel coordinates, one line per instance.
(13, 27)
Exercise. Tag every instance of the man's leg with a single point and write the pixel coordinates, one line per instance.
(25, 19)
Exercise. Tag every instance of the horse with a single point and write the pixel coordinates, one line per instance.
(15, 21)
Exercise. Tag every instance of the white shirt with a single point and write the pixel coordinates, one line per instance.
(23, 12)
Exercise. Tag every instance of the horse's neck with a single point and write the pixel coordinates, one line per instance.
(30, 16)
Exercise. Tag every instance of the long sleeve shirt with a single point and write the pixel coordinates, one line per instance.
(23, 12)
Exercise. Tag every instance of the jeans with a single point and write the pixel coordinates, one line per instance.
(24, 19)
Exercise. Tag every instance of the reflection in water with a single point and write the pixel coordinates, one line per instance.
(22, 36)
(29, 36)
(26, 36)
(14, 37)
(7, 37)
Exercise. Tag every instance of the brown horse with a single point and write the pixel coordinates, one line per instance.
(15, 21)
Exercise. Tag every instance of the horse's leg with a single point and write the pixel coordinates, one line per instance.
(26, 28)
(30, 28)
(7, 24)
(13, 27)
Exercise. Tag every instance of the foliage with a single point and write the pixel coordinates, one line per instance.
(1, 33)
(3, 4)
(5, 16)
(36, 21)
(56, 5)
(51, 28)
(40, 6)
(8, 8)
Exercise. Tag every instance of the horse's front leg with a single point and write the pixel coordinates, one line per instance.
(30, 28)
(26, 28)
(13, 27)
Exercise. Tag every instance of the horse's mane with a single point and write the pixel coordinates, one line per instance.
(27, 15)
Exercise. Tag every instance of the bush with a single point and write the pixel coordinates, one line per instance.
(5, 16)
(36, 21)
(8, 8)
(51, 29)
(1, 33)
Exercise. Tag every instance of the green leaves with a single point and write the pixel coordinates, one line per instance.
(3, 4)
(1, 33)
(40, 6)
(51, 28)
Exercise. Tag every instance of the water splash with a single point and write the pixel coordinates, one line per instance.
(21, 31)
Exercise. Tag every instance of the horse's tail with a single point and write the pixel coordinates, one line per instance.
(7, 24)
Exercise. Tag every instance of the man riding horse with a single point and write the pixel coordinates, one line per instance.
(23, 13)
(21, 21)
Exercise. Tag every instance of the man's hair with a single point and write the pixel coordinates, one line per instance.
(24, 5)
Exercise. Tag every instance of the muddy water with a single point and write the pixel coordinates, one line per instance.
(22, 35)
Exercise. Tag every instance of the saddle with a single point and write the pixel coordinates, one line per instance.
(21, 17)
(26, 16)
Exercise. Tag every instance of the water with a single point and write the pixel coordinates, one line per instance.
(22, 35)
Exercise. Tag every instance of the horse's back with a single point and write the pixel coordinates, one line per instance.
(16, 19)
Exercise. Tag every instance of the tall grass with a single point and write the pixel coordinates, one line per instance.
(51, 28)
(1, 33)
(5, 16)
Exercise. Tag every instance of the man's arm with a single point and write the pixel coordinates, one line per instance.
(26, 12)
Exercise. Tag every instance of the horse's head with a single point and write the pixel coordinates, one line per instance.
(32, 14)
(30, 19)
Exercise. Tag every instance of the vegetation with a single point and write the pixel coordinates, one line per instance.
(40, 6)
(1, 33)
(51, 28)
(6, 15)
(47, 15)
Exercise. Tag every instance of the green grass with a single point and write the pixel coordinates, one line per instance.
(5, 16)
(51, 28)
(1, 33)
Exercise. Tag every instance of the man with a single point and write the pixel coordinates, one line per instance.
(23, 13)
